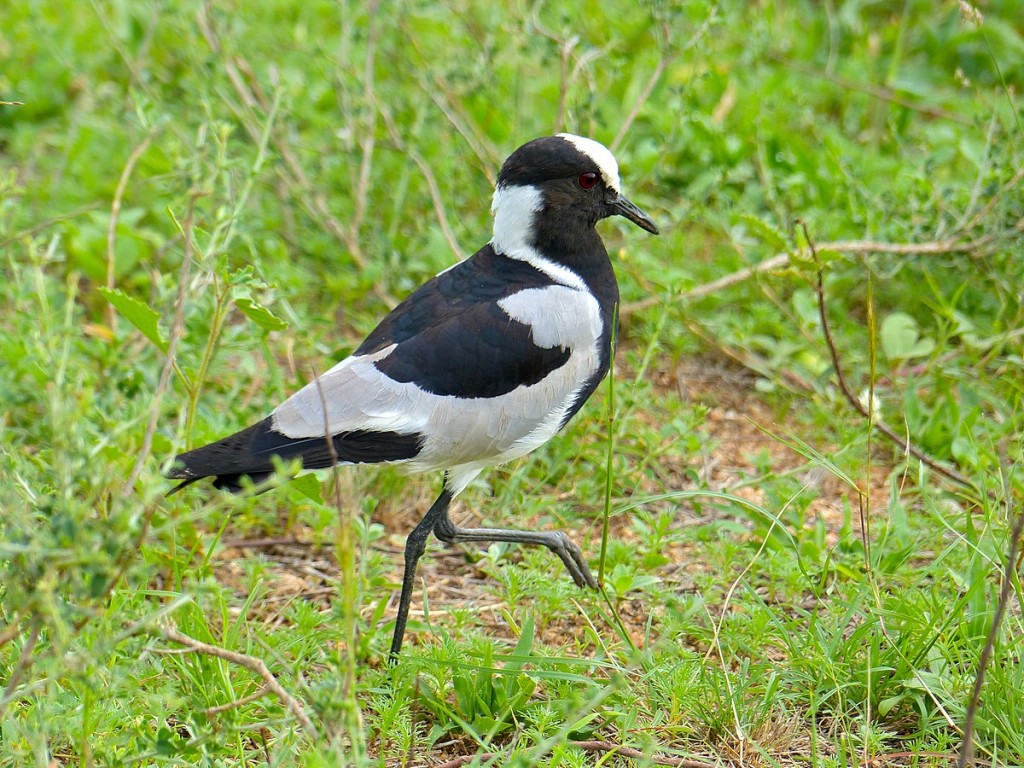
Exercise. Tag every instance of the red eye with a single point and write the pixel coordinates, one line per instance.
(588, 180)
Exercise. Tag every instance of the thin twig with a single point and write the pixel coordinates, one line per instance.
(435, 198)
(641, 99)
(486, 154)
(566, 45)
(749, 360)
(270, 541)
(255, 696)
(346, 560)
(47, 223)
(177, 329)
(605, 746)
(252, 663)
(362, 186)
(875, 91)
(565, 53)
(984, 169)
(669, 52)
(888, 758)
(115, 214)
(782, 260)
(309, 195)
(332, 450)
(967, 745)
(24, 662)
(428, 175)
(739, 276)
(11, 631)
(875, 246)
(593, 746)
(987, 208)
(852, 399)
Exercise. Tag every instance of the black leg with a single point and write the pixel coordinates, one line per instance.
(556, 541)
(414, 546)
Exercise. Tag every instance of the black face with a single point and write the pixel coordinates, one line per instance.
(571, 182)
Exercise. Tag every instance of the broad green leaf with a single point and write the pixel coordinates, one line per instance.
(259, 314)
(805, 304)
(901, 339)
(145, 319)
(965, 451)
(242, 290)
(87, 243)
(309, 486)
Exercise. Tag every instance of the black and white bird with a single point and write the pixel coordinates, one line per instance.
(481, 365)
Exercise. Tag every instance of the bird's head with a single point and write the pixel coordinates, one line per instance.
(561, 183)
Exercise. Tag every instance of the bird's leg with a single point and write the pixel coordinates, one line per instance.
(414, 546)
(556, 541)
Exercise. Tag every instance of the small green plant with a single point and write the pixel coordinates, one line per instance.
(486, 700)
(624, 578)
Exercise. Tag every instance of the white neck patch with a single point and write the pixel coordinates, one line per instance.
(514, 208)
(601, 156)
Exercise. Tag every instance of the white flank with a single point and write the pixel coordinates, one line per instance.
(601, 156)
(461, 435)
(514, 208)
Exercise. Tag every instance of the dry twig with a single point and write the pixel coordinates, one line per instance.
(23, 663)
(890, 758)
(749, 360)
(428, 175)
(992, 201)
(41, 226)
(346, 559)
(309, 194)
(252, 663)
(875, 91)
(115, 214)
(254, 696)
(11, 631)
(177, 330)
(904, 442)
(593, 746)
(369, 140)
(966, 756)
(783, 260)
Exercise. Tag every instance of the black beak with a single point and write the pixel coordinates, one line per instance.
(623, 207)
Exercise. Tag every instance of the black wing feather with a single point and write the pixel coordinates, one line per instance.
(480, 353)
(251, 451)
(485, 277)
(454, 339)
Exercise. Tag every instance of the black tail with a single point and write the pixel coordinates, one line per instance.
(250, 453)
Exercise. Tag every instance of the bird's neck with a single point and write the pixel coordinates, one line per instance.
(521, 233)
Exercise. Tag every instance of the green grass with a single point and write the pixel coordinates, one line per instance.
(282, 172)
